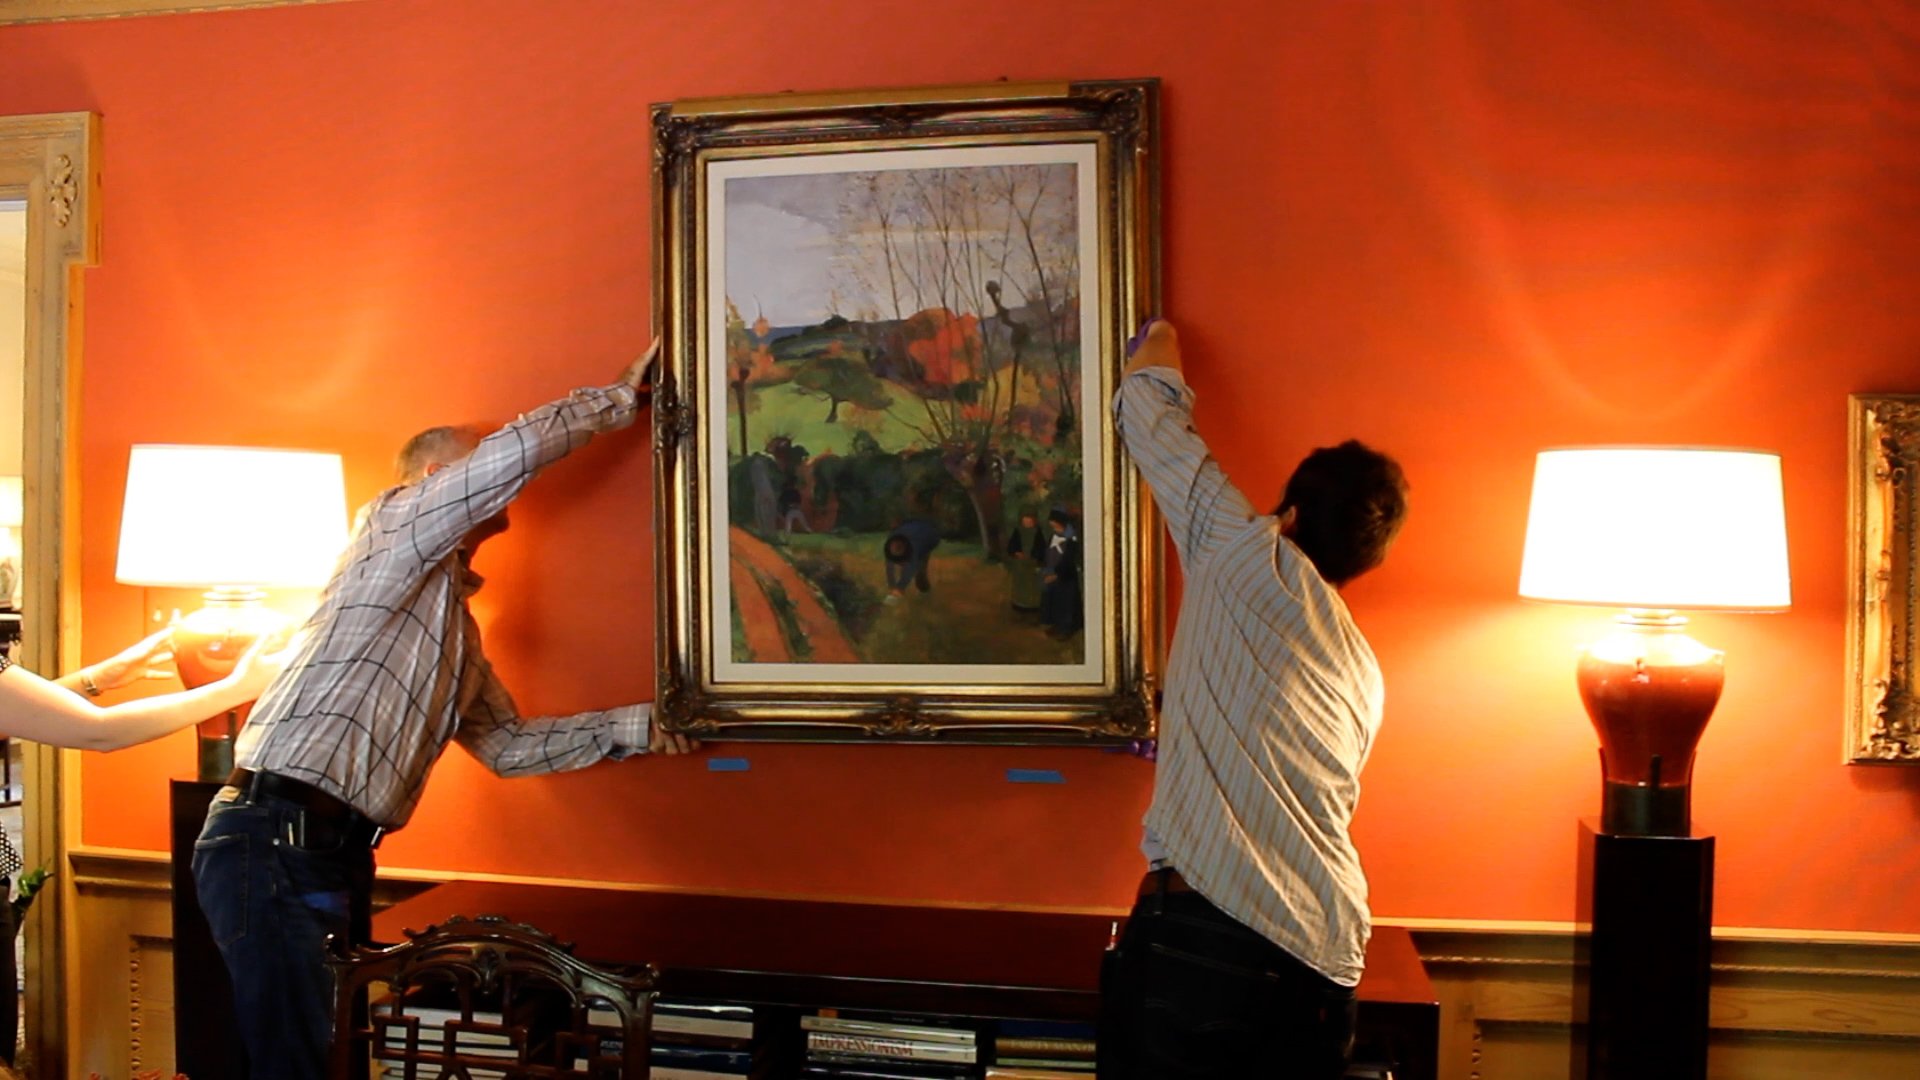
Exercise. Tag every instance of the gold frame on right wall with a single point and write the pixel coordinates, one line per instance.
(1883, 555)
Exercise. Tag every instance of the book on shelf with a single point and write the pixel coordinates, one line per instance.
(849, 1065)
(1021, 1072)
(1030, 1046)
(870, 1071)
(875, 1046)
(880, 1029)
(1074, 1065)
(691, 1022)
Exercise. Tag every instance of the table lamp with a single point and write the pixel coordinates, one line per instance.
(1652, 530)
(232, 520)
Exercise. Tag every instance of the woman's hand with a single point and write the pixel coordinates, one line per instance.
(260, 665)
(154, 651)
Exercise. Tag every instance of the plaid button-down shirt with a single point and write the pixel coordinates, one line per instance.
(1272, 702)
(389, 668)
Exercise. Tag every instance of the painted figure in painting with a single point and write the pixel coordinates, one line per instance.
(908, 386)
(1060, 576)
(1025, 548)
(908, 550)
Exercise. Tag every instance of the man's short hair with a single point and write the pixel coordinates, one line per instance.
(1348, 501)
(434, 446)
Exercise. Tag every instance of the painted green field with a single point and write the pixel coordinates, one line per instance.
(966, 618)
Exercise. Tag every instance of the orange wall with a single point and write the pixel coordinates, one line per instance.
(1463, 230)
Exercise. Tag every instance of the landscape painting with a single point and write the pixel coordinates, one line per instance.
(905, 452)
(889, 502)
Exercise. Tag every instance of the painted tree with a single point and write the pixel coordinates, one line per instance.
(943, 252)
(840, 378)
(750, 365)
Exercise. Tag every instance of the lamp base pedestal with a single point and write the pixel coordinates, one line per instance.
(1646, 809)
(216, 746)
(1649, 900)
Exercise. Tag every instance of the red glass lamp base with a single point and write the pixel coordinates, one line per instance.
(206, 646)
(1650, 690)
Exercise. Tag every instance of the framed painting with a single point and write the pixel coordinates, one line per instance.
(1883, 556)
(890, 500)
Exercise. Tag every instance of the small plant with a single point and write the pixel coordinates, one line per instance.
(29, 887)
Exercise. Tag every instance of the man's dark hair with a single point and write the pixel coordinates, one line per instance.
(1348, 502)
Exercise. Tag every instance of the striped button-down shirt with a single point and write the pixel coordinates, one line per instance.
(389, 668)
(1271, 704)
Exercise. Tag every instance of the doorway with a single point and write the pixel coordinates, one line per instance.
(48, 231)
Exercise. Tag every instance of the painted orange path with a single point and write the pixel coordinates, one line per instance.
(762, 630)
(830, 646)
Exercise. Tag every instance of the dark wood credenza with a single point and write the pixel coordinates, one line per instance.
(798, 955)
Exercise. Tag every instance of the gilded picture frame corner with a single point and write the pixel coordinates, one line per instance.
(1105, 134)
(1883, 544)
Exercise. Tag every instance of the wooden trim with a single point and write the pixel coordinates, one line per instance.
(31, 11)
(1784, 1003)
(107, 867)
(54, 162)
(1787, 1004)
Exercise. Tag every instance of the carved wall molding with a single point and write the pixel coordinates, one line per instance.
(32, 11)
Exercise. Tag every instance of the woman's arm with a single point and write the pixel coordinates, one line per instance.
(35, 708)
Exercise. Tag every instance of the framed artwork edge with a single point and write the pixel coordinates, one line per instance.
(1117, 117)
(1883, 536)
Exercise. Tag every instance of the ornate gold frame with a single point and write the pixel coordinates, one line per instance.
(1883, 600)
(1120, 120)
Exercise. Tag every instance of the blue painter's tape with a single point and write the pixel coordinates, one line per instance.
(1035, 776)
(728, 764)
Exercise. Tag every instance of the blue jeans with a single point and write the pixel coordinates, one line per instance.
(1192, 994)
(272, 896)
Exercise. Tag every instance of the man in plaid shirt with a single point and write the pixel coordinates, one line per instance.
(385, 673)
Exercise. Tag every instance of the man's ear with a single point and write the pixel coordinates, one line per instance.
(1288, 519)
(434, 467)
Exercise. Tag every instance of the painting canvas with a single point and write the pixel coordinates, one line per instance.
(900, 337)
(893, 464)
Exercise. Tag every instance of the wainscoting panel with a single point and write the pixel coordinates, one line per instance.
(1786, 1005)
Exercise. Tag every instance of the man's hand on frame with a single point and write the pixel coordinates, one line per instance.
(639, 374)
(665, 742)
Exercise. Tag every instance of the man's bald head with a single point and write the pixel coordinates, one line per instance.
(433, 448)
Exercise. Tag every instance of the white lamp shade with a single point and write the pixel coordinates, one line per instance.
(1658, 527)
(12, 502)
(203, 516)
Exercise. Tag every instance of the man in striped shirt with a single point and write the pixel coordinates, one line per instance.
(1250, 931)
(385, 673)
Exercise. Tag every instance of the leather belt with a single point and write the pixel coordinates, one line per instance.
(1163, 881)
(354, 827)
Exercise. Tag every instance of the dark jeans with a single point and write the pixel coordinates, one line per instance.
(271, 897)
(1190, 993)
(9, 973)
